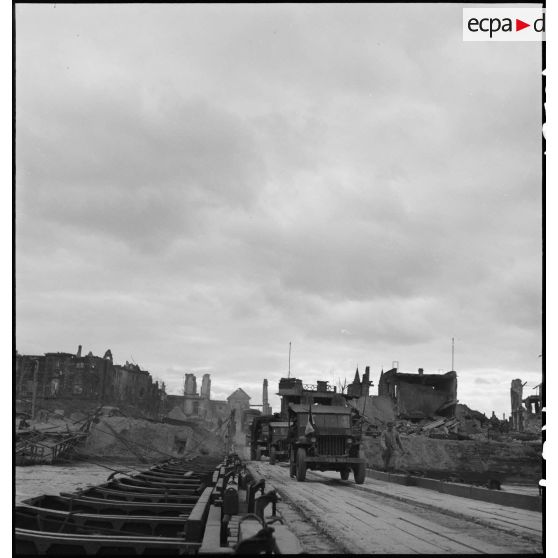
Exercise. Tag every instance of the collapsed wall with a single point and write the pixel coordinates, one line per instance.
(378, 409)
(128, 438)
(516, 461)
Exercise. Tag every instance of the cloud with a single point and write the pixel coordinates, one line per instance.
(139, 180)
(484, 381)
(199, 185)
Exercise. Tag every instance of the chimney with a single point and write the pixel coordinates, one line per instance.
(266, 410)
(190, 387)
(264, 395)
(421, 371)
(79, 351)
(206, 387)
(365, 390)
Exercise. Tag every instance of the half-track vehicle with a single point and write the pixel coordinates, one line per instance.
(325, 438)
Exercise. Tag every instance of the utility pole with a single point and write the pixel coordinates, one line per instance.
(452, 353)
(289, 360)
(35, 380)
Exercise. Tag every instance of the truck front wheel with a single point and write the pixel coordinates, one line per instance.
(292, 464)
(301, 465)
(360, 473)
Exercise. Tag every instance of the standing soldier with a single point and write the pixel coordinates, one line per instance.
(389, 441)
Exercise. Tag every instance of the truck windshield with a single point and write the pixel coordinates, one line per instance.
(331, 421)
(335, 421)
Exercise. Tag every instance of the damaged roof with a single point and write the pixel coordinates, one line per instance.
(320, 409)
(425, 378)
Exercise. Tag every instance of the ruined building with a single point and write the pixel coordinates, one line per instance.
(360, 388)
(206, 387)
(528, 417)
(516, 396)
(229, 418)
(80, 381)
(191, 396)
(194, 406)
(239, 402)
(420, 395)
(533, 402)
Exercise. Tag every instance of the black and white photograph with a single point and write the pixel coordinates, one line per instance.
(278, 278)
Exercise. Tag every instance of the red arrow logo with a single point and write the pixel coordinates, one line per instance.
(519, 25)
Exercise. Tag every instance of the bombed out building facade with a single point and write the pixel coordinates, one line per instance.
(420, 395)
(231, 417)
(65, 380)
(404, 396)
(197, 405)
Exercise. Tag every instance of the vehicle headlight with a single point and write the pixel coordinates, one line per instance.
(349, 440)
(313, 439)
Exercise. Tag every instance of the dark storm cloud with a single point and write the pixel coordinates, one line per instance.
(198, 185)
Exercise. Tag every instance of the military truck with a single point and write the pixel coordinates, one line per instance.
(259, 437)
(278, 443)
(268, 436)
(325, 438)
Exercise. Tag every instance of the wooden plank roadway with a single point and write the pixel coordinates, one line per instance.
(525, 523)
(366, 522)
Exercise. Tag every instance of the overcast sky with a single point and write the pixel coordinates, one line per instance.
(198, 185)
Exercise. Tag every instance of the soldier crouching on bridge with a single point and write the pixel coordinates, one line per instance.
(389, 441)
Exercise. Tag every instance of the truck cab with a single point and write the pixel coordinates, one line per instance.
(260, 434)
(268, 436)
(279, 445)
(325, 438)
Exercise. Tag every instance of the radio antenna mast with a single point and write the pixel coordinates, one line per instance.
(289, 360)
(452, 353)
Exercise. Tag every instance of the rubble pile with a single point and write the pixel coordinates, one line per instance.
(461, 444)
(125, 437)
(467, 424)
